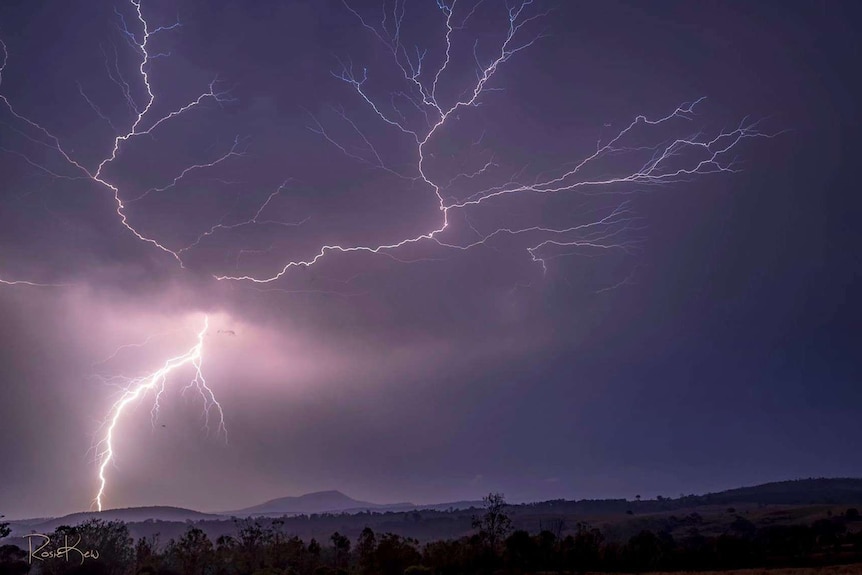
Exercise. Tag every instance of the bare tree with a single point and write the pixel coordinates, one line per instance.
(494, 524)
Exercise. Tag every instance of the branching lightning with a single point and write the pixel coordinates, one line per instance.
(422, 99)
(673, 161)
(155, 382)
(142, 124)
(606, 233)
(28, 283)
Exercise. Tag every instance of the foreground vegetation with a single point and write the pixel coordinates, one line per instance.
(264, 548)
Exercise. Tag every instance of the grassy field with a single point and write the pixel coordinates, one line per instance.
(855, 569)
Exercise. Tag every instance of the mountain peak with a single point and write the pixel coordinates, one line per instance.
(330, 501)
(327, 493)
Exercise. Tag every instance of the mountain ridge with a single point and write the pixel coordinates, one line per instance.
(842, 490)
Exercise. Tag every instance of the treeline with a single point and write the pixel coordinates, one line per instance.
(825, 491)
(494, 547)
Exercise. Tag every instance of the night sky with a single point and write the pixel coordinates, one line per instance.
(702, 334)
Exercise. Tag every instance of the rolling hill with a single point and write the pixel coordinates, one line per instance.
(127, 515)
(318, 502)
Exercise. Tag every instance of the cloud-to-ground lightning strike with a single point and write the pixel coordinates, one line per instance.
(155, 382)
(673, 160)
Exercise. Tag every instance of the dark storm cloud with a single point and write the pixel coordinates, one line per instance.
(725, 356)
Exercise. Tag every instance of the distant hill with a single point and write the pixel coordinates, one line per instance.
(128, 515)
(318, 502)
(796, 492)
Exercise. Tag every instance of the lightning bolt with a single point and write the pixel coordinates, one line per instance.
(155, 382)
(142, 124)
(699, 154)
(28, 283)
(415, 115)
(677, 160)
(255, 219)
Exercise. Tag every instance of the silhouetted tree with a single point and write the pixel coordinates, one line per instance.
(494, 524)
(556, 526)
(365, 548)
(786, 541)
(342, 549)
(585, 548)
(520, 551)
(252, 542)
(450, 557)
(314, 548)
(648, 551)
(546, 550)
(13, 560)
(827, 532)
(694, 551)
(641, 552)
(110, 538)
(742, 527)
(193, 553)
(225, 550)
(732, 551)
(147, 557)
(394, 554)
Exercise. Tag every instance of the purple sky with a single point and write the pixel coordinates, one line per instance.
(648, 322)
